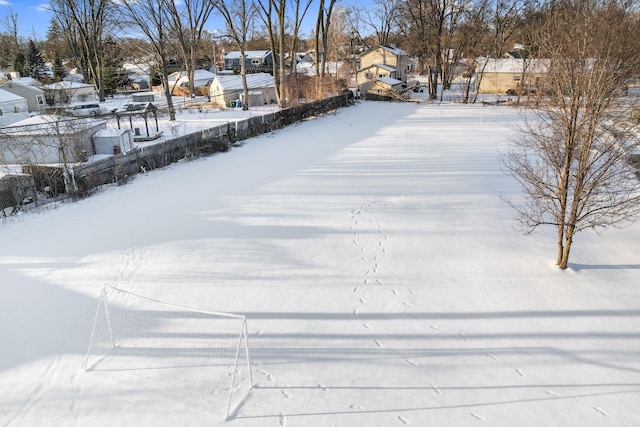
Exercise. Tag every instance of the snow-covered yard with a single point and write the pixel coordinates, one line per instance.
(380, 272)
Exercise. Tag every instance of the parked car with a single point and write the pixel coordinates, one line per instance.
(85, 110)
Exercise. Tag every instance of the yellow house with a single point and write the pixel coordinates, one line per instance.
(383, 61)
(502, 75)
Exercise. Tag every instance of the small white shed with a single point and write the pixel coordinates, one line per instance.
(113, 141)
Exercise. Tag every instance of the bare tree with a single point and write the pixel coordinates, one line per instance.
(151, 18)
(274, 14)
(323, 23)
(382, 18)
(239, 15)
(572, 157)
(87, 24)
(10, 24)
(188, 18)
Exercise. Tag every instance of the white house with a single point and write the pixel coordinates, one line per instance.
(139, 74)
(66, 93)
(11, 103)
(49, 139)
(33, 95)
(13, 108)
(226, 88)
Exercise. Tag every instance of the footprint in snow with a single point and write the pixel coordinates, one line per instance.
(366, 326)
(520, 373)
(478, 417)
(379, 344)
(600, 410)
(411, 362)
(403, 420)
(436, 389)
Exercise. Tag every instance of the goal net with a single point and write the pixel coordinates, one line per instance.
(194, 355)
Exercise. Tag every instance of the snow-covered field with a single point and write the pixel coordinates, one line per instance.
(380, 272)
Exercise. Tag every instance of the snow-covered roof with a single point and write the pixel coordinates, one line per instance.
(249, 54)
(389, 81)
(10, 83)
(385, 67)
(9, 97)
(28, 81)
(44, 123)
(197, 75)
(396, 51)
(254, 81)
(110, 132)
(66, 85)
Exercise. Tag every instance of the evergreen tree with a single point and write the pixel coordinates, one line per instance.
(59, 72)
(35, 61)
(20, 64)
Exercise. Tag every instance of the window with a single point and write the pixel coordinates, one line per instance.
(40, 99)
(516, 78)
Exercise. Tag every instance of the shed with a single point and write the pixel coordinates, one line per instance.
(47, 139)
(112, 141)
(143, 97)
(225, 89)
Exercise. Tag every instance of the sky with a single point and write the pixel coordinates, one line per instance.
(34, 17)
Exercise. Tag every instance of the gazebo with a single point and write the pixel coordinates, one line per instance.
(142, 110)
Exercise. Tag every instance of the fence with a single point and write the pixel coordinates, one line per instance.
(118, 168)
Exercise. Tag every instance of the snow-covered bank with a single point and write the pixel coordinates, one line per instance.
(379, 270)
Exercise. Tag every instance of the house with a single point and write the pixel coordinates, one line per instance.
(255, 61)
(383, 61)
(139, 75)
(11, 103)
(49, 139)
(13, 108)
(227, 88)
(68, 92)
(179, 81)
(33, 95)
(339, 69)
(502, 75)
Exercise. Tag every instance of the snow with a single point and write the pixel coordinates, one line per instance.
(380, 272)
